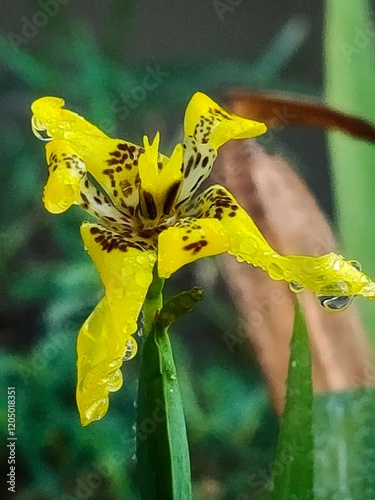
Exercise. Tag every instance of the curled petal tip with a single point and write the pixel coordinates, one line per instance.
(95, 411)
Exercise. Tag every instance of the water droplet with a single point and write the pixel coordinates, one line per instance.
(140, 332)
(141, 259)
(142, 278)
(171, 390)
(294, 364)
(356, 265)
(333, 304)
(115, 363)
(64, 125)
(114, 381)
(295, 287)
(248, 246)
(39, 130)
(275, 272)
(129, 350)
(69, 135)
(97, 410)
(338, 265)
(134, 427)
(127, 270)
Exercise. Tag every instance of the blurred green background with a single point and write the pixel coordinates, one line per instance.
(97, 56)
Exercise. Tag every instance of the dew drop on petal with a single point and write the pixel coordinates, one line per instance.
(128, 351)
(127, 270)
(338, 265)
(64, 125)
(115, 364)
(275, 272)
(356, 265)
(142, 278)
(240, 259)
(141, 259)
(151, 258)
(114, 381)
(69, 135)
(335, 304)
(97, 409)
(295, 287)
(248, 246)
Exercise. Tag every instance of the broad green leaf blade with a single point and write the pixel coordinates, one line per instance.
(162, 447)
(350, 77)
(292, 476)
(344, 425)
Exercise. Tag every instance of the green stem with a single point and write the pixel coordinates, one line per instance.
(162, 446)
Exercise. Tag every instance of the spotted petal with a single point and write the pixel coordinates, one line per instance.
(113, 162)
(325, 275)
(106, 336)
(207, 127)
(188, 240)
(68, 183)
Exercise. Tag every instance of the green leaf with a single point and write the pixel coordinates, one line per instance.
(350, 76)
(292, 475)
(162, 447)
(344, 426)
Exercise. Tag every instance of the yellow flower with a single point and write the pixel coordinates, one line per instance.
(149, 213)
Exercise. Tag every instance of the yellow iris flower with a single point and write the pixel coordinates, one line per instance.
(149, 213)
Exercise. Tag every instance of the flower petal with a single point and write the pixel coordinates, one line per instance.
(65, 173)
(206, 121)
(106, 336)
(207, 127)
(68, 184)
(113, 162)
(328, 274)
(188, 240)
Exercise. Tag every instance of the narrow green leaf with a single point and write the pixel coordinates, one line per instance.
(350, 76)
(292, 476)
(162, 447)
(344, 428)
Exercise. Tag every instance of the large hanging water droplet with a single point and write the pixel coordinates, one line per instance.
(335, 304)
(295, 287)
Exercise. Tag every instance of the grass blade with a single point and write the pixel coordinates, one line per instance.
(292, 475)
